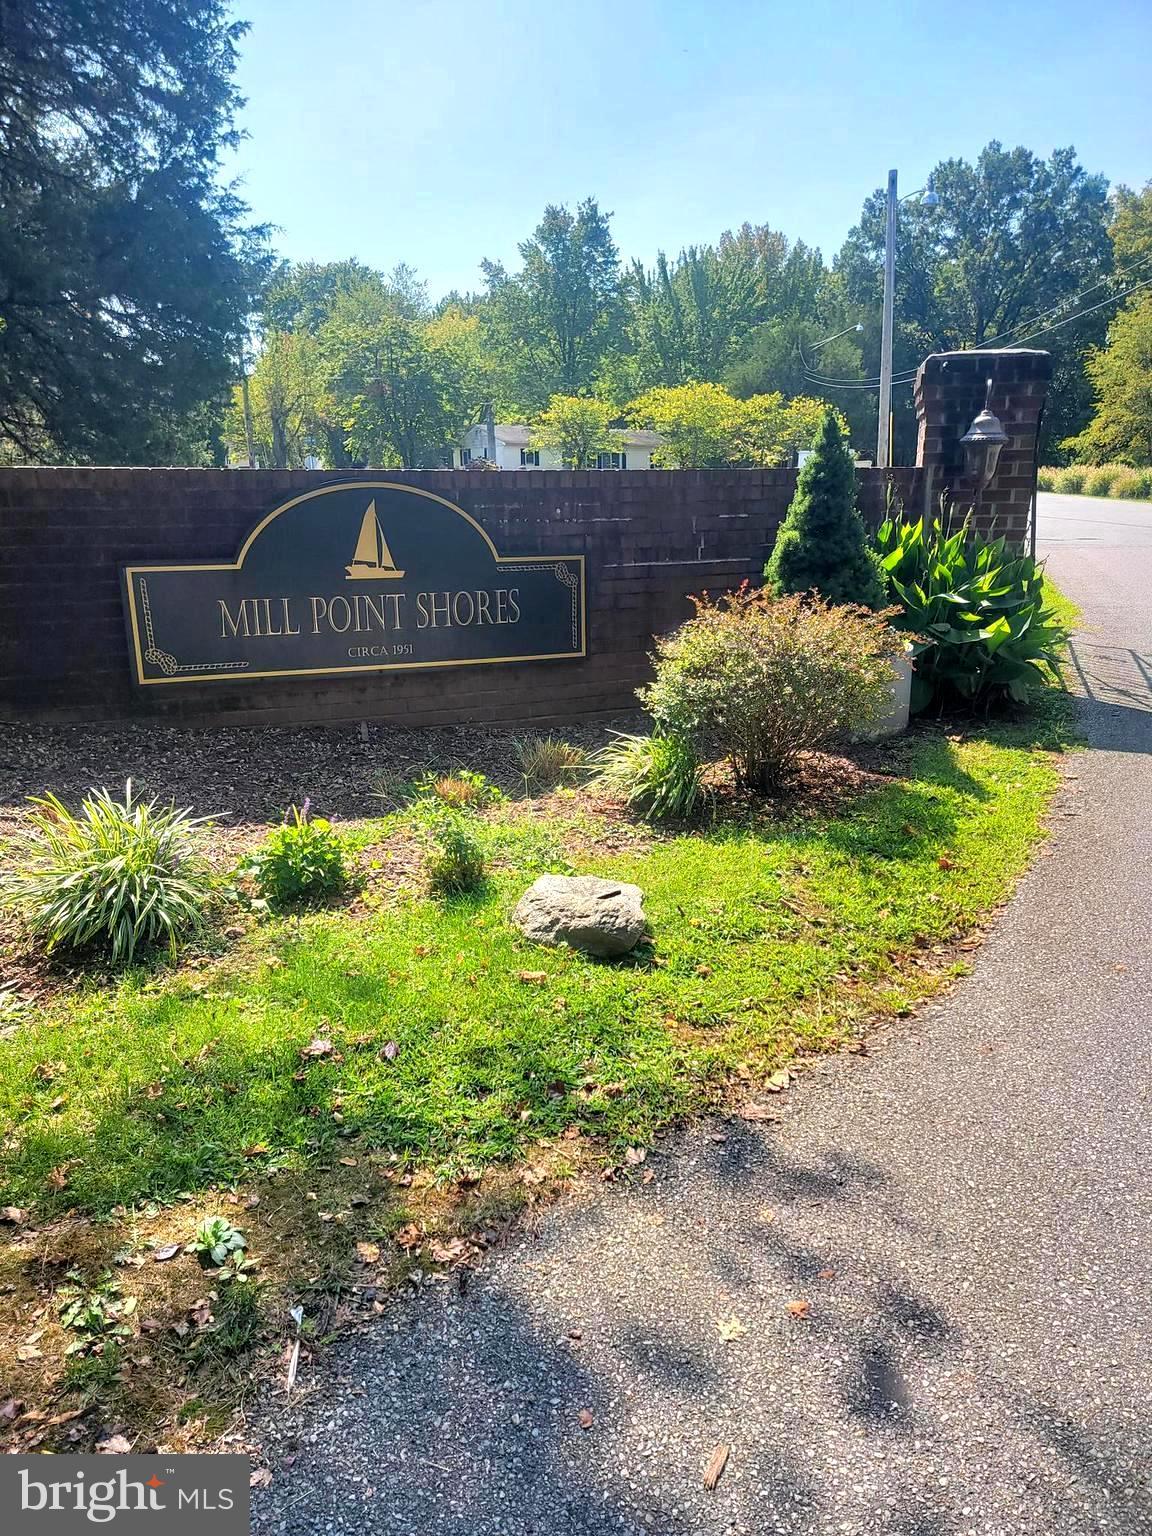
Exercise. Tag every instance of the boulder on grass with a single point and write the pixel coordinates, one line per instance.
(599, 917)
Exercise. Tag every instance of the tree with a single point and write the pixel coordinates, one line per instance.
(1121, 375)
(822, 545)
(1012, 239)
(127, 271)
(780, 356)
(286, 400)
(404, 390)
(1131, 233)
(689, 316)
(705, 427)
(552, 323)
(699, 423)
(577, 429)
(773, 429)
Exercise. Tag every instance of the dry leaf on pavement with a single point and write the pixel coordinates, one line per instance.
(799, 1308)
(730, 1328)
(714, 1471)
(586, 1419)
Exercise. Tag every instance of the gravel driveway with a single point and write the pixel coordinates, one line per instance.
(967, 1212)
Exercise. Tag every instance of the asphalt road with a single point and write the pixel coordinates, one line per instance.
(967, 1210)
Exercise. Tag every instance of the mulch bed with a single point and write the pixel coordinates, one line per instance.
(247, 779)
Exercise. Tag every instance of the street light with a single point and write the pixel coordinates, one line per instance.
(929, 198)
(817, 344)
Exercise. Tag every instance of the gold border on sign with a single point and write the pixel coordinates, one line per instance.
(132, 571)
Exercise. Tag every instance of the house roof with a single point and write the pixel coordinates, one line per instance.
(516, 435)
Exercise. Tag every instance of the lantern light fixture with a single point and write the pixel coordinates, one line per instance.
(982, 444)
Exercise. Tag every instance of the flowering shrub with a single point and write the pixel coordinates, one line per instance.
(759, 680)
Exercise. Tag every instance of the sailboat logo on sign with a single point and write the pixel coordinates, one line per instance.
(373, 559)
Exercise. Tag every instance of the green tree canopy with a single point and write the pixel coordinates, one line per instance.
(1121, 376)
(705, 427)
(127, 271)
(551, 323)
(576, 428)
(822, 545)
(1012, 238)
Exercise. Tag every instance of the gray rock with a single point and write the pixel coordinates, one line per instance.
(600, 917)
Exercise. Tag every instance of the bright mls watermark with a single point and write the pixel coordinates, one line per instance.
(61, 1495)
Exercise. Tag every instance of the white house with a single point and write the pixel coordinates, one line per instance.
(514, 450)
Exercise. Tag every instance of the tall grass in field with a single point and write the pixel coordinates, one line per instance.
(1098, 480)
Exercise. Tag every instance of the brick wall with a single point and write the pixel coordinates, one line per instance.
(950, 391)
(651, 537)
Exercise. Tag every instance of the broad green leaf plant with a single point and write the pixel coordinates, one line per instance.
(974, 608)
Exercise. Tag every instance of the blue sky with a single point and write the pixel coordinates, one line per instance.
(435, 131)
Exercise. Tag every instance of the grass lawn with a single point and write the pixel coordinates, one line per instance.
(400, 1067)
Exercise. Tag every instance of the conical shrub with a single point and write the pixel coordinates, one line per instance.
(822, 545)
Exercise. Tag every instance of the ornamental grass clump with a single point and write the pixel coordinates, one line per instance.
(761, 680)
(118, 878)
(658, 775)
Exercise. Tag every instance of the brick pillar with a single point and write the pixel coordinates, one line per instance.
(950, 391)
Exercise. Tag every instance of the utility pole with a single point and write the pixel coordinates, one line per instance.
(883, 426)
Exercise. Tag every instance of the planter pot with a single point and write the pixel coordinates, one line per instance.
(894, 718)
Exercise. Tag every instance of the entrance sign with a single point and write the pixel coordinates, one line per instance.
(364, 576)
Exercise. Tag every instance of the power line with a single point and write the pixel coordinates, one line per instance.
(1147, 283)
(1063, 304)
(1014, 331)
(1044, 331)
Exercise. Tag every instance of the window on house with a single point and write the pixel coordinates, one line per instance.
(465, 457)
(611, 461)
(529, 458)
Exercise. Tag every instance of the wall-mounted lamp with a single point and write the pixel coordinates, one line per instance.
(982, 444)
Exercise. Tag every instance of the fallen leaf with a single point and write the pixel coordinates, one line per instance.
(12, 1215)
(703, 970)
(826, 1274)
(533, 978)
(58, 1176)
(29, 1352)
(451, 1252)
(317, 1046)
(162, 1255)
(634, 1156)
(388, 1052)
(367, 1253)
(409, 1236)
(799, 1308)
(261, 1478)
(200, 1312)
(648, 1176)
(766, 1213)
(714, 1471)
(586, 1419)
(756, 1112)
(778, 1081)
(11, 1408)
(115, 1445)
(945, 863)
(348, 1162)
(151, 1324)
(730, 1329)
(257, 1149)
